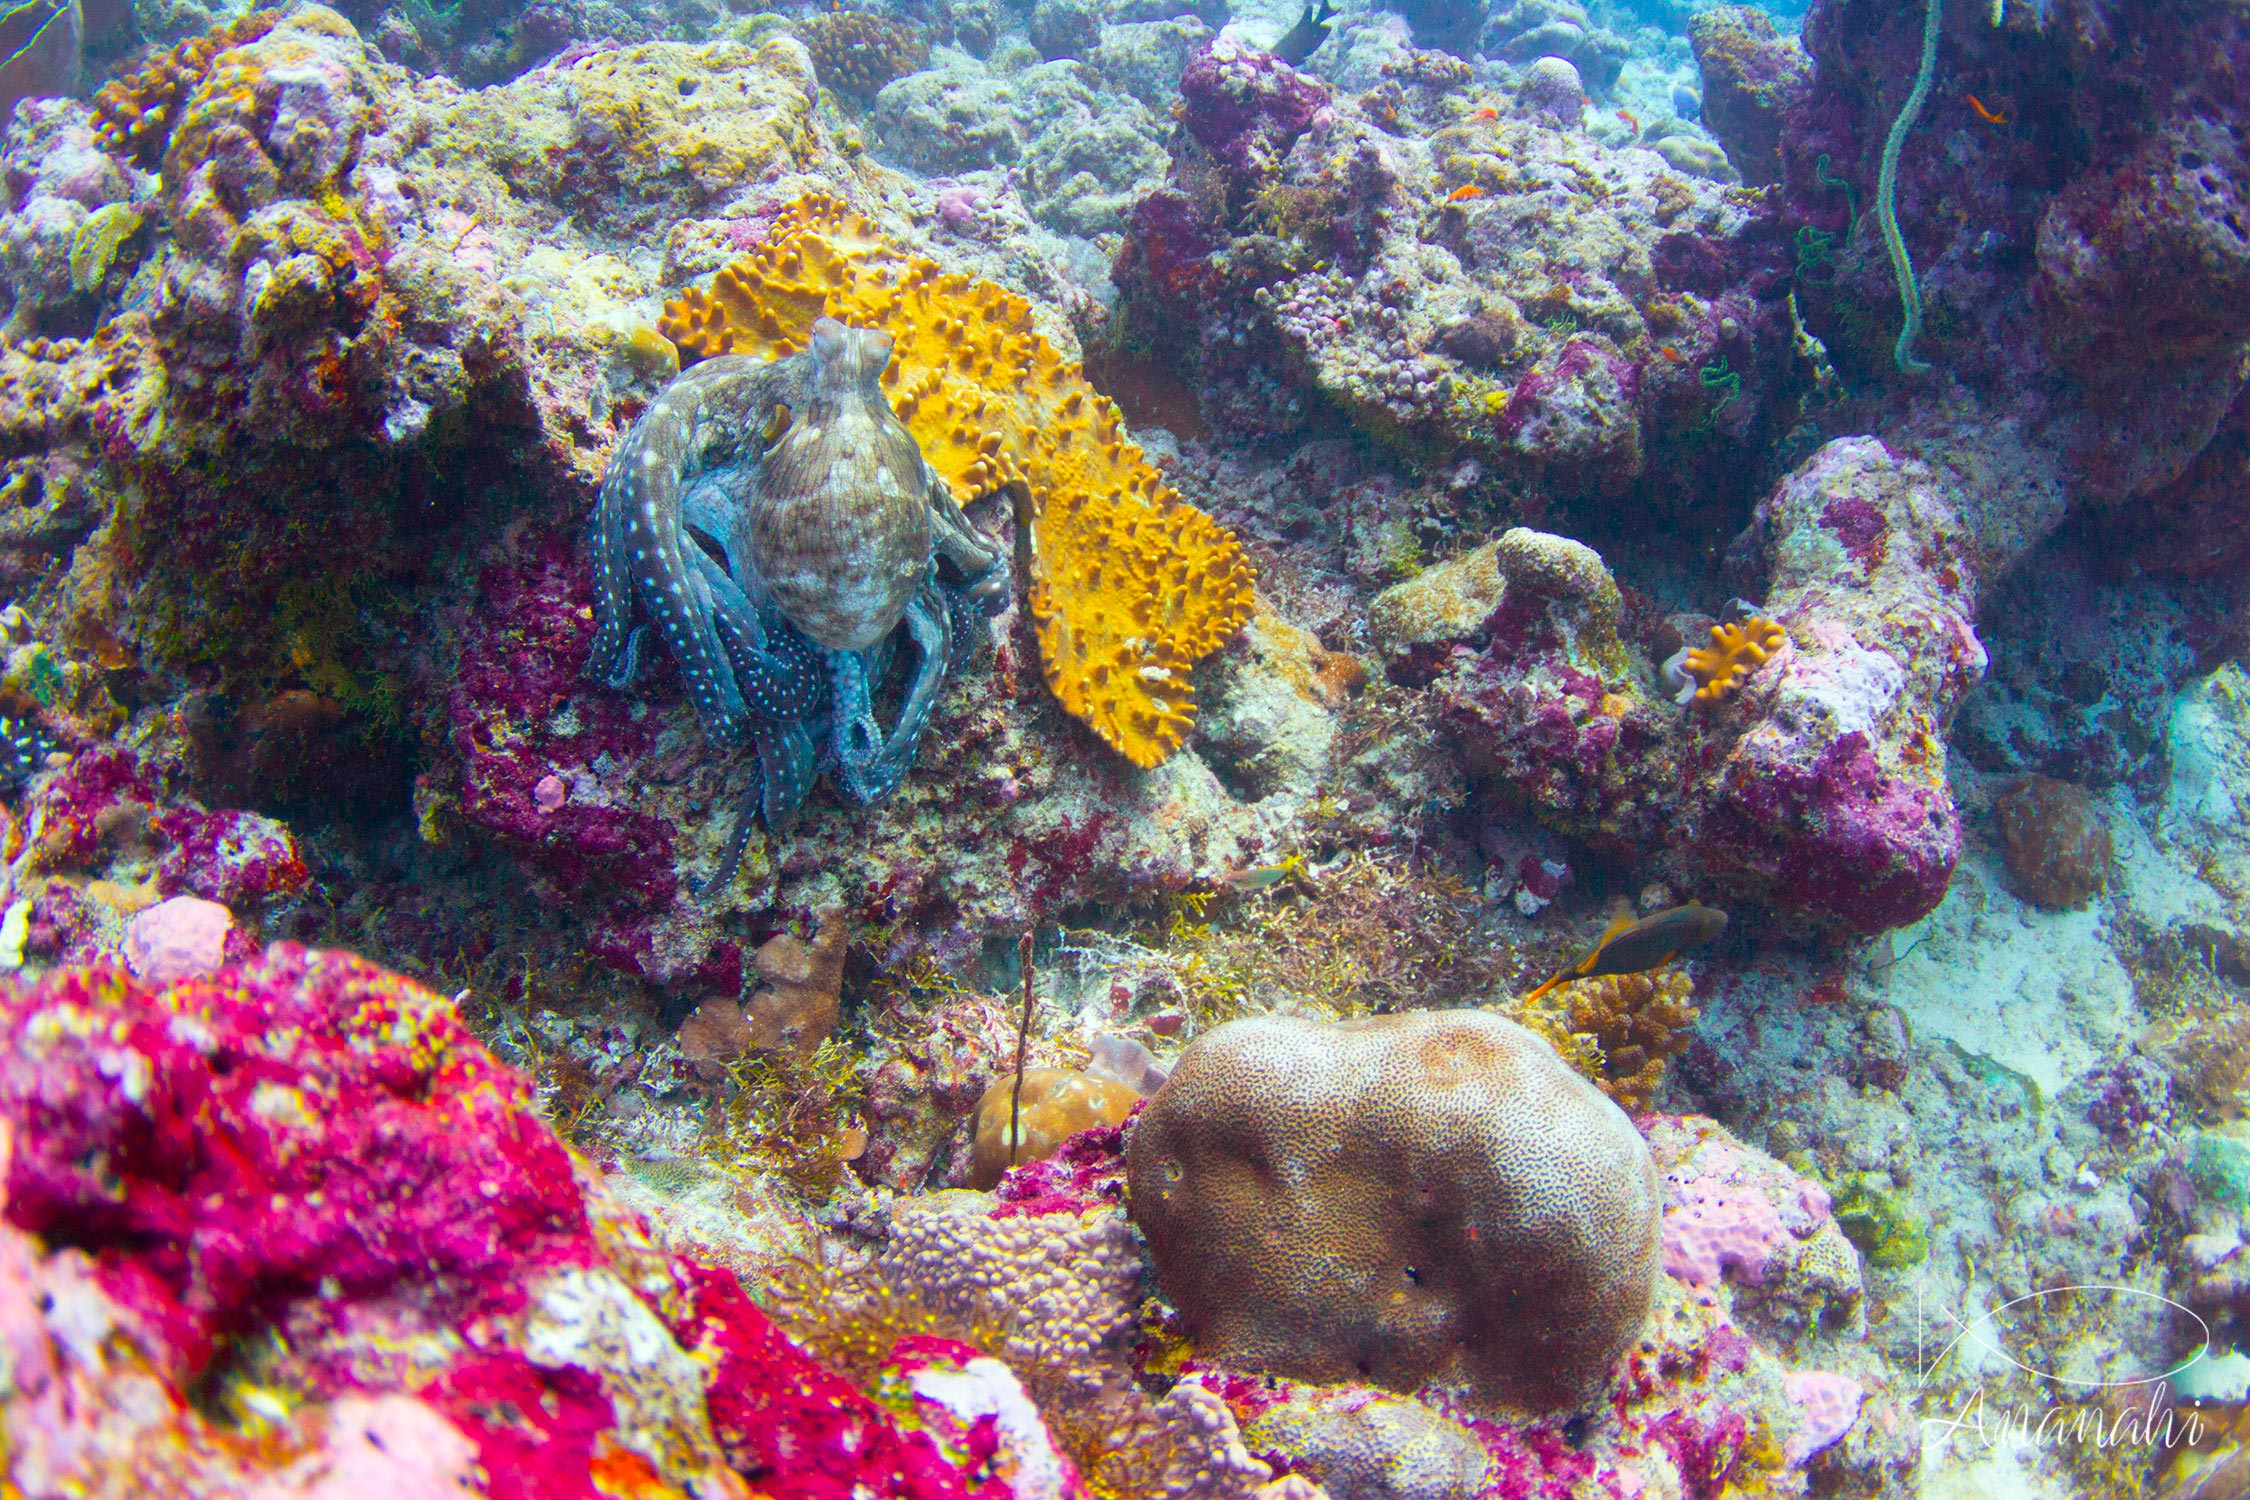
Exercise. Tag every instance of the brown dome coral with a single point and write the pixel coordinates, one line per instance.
(857, 52)
(1408, 1198)
(2056, 841)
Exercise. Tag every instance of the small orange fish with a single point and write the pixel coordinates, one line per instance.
(1486, 113)
(1672, 353)
(1464, 194)
(1627, 116)
(1984, 114)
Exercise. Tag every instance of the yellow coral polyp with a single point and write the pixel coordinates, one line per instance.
(1130, 585)
(1735, 652)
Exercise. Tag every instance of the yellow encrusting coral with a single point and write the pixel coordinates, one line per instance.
(1130, 585)
(1735, 652)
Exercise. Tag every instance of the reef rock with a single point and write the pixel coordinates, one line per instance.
(1835, 802)
(1403, 256)
(362, 404)
(2079, 244)
(1815, 788)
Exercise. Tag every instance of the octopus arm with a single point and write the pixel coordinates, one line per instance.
(981, 561)
(870, 763)
(778, 670)
(640, 543)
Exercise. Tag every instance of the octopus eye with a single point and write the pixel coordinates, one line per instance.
(777, 422)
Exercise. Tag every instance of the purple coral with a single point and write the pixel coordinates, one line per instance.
(1248, 107)
(1838, 836)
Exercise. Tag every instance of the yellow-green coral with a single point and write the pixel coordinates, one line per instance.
(1585, 603)
(1130, 585)
(857, 52)
(134, 115)
(94, 250)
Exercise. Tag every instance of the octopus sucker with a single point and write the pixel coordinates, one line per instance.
(783, 530)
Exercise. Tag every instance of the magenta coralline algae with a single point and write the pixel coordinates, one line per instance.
(238, 859)
(522, 716)
(1578, 411)
(164, 1121)
(1840, 837)
(109, 808)
(1834, 804)
(1247, 107)
(67, 810)
(307, 1142)
(1087, 1170)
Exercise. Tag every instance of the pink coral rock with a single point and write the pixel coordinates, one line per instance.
(306, 1175)
(183, 938)
(1713, 1227)
(1830, 1404)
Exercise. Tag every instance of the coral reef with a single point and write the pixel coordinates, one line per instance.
(2018, 245)
(1079, 144)
(1751, 75)
(62, 192)
(1130, 586)
(1819, 789)
(1521, 1263)
(1837, 803)
(322, 467)
(1463, 275)
(134, 116)
(1513, 357)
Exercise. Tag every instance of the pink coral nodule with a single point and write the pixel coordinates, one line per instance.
(183, 938)
(1830, 1404)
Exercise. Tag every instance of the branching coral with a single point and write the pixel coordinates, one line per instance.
(1619, 1030)
(1130, 585)
(134, 116)
(1708, 675)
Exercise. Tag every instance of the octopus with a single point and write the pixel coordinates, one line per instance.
(781, 529)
